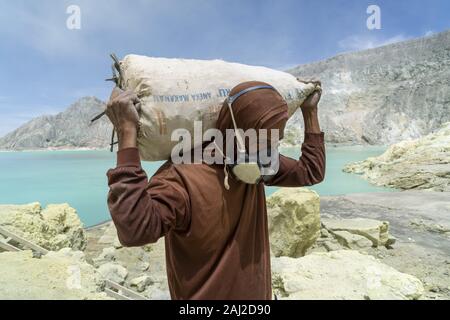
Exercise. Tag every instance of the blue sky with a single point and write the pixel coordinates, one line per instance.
(45, 67)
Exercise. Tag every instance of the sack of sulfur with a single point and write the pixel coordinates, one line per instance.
(175, 93)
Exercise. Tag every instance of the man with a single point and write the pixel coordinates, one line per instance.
(216, 238)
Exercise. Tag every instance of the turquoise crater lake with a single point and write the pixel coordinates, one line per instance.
(79, 177)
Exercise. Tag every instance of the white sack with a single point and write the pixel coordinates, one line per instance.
(176, 92)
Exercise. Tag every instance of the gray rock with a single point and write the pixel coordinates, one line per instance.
(430, 226)
(384, 95)
(419, 164)
(141, 283)
(324, 233)
(114, 272)
(155, 293)
(376, 231)
(351, 240)
(107, 255)
(331, 246)
(68, 129)
(391, 241)
(345, 274)
(143, 266)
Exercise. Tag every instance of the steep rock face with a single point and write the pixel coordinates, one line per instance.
(378, 96)
(419, 164)
(68, 129)
(383, 95)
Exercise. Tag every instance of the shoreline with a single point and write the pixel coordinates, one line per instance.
(282, 146)
(55, 149)
(98, 225)
(355, 194)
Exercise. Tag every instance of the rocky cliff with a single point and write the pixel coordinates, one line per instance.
(418, 164)
(384, 95)
(68, 129)
(378, 96)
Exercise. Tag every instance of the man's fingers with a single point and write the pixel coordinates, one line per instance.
(319, 90)
(138, 106)
(110, 114)
(124, 107)
(134, 98)
(128, 96)
(317, 95)
(115, 93)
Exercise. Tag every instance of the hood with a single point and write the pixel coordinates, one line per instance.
(259, 109)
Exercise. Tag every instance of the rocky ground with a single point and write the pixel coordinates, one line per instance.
(346, 241)
(420, 221)
(58, 275)
(419, 164)
(352, 245)
(142, 269)
(63, 273)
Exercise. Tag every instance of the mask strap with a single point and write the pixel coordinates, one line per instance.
(240, 143)
(230, 101)
(225, 168)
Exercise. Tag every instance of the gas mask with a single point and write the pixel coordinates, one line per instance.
(250, 168)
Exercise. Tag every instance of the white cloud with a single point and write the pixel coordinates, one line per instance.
(41, 25)
(357, 43)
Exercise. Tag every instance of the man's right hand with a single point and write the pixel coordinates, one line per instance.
(122, 109)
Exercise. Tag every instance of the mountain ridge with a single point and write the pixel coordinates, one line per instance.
(384, 95)
(69, 129)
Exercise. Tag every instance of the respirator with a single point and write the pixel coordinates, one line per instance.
(250, 168)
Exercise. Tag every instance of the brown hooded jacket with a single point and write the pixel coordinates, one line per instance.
(217, 241)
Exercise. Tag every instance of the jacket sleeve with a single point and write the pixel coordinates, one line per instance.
(144, 211)
(308, 170)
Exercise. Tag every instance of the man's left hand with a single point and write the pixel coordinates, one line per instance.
(310, 104)
(309, 111)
